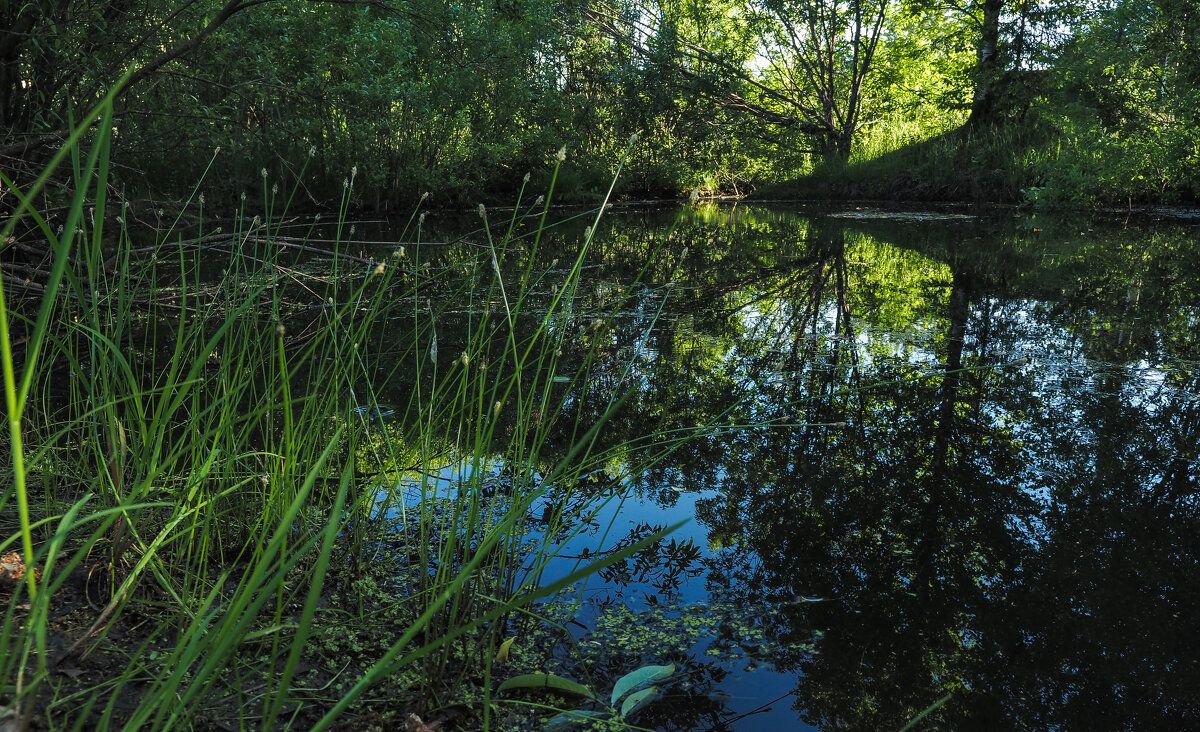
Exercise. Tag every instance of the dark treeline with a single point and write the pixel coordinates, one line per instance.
(1064, 103)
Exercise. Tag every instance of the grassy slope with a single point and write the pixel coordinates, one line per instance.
(993, 165)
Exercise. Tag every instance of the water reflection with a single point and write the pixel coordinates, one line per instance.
(943, 457)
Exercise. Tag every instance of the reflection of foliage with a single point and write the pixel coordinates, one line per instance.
(1020, 534)
(930, 520)
(662, 565)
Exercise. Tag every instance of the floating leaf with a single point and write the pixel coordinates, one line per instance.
(639, 678)
(502, 654)
(571, 720)
(546, 681)
(639, 699)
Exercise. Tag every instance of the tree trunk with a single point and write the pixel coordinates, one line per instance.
(988, 66)
(835, 146)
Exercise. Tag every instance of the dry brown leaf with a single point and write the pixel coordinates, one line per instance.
(12, 569)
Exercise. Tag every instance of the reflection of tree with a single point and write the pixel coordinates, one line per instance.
(1119, 560)
(898, 519)
(1023, 537)
(943, 574)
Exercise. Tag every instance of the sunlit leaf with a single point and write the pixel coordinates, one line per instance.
(502, 654)
(639, 678)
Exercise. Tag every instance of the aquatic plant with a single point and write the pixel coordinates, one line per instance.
(217, 519)
(631, 693)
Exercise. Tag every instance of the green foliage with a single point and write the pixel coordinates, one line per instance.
(546, 681)
(204, 468)
(631, 693)
(1128, 107)
(638, 680)
(1096, 102)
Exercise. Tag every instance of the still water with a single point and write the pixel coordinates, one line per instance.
(936, 458)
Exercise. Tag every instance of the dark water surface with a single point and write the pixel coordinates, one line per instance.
(946, 456)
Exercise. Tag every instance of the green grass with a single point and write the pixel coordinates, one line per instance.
(192, 454)
(996, 165)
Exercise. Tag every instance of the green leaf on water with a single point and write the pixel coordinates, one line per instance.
(546, 681)
(639, 699)
(639, 678)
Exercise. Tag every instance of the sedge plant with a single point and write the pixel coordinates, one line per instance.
(207, 453)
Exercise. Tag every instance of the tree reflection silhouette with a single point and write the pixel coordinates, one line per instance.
(898, 501)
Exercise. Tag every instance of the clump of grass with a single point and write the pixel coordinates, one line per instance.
(197, 452)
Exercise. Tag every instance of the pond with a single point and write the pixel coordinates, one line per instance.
(940, 458)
